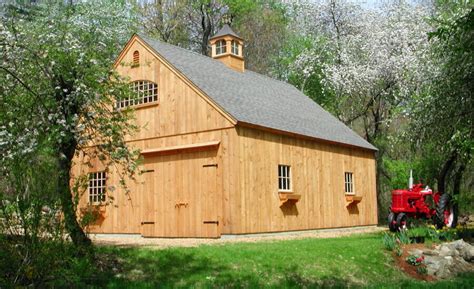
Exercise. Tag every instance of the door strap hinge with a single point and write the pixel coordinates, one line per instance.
(211, 222)
(210, 165)
(148, 223)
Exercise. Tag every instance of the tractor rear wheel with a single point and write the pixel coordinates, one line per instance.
(446, 213)
(402, 222)
(392, 222)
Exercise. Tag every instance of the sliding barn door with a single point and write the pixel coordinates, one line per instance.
(179, 195)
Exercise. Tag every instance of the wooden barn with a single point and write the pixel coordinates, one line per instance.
(228, 151)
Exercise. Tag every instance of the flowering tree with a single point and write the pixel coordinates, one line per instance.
(364, 65)
(57, 90)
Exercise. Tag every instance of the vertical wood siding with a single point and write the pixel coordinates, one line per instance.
(317, 171)
(244, 198)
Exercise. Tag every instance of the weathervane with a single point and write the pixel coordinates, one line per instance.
(227, 18)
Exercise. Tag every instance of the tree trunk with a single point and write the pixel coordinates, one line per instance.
(206, 26)
(78, 237)
(443, 174)
(457, 179)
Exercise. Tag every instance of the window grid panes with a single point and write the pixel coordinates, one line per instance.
(146, 92)
(284, 178)
(235, 47)
(220, 47)
(348, 183)
(97, 185)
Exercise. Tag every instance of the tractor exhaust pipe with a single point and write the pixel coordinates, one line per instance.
(410, 180)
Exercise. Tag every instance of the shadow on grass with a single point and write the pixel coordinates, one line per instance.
(184, 269)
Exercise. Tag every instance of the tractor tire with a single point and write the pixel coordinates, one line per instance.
(392, 222)
(446, 213)
(402, 222)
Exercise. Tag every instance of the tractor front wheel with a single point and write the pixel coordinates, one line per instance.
(446, 213)
(392, 222)
(402, 222)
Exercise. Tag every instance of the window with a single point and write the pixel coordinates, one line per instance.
(136, 58)
(220, 47)
(97, 187)
(348, 183)
(284, 178)
(146, 92)
(235, 47)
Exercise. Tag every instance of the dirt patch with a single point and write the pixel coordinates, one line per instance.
(159, 243)
(409, 269)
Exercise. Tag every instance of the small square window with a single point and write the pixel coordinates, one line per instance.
(97, 185)
(348, 183)
(284, 178)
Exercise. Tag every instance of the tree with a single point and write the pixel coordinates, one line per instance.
(190, 24)
(58, 89)
(364, 66)
(165, 19)
(442, 117)
(263, 26)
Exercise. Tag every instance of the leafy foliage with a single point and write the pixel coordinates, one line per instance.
(58, 90)
(190, 24)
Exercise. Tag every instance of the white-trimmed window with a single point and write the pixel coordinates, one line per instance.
(145, 92)
(220, 47)
(284, 178)
(97, 185)
(348, 183)
(235, 47)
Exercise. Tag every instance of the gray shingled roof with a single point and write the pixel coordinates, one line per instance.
(225, 30)
(257, 99)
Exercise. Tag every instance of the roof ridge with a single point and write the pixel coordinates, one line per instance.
(176, 46)
(216, 61)
(274, 79)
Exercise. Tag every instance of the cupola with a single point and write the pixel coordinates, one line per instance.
(227, 46)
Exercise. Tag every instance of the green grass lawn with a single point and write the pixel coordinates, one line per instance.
(356, 261)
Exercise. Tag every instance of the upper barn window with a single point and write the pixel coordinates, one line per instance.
(235, 47)
(136, 58)
(220, 47)
(145, 92)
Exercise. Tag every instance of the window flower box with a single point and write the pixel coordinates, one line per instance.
(352, 199)
(288, 198)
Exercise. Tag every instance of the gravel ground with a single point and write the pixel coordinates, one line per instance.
(159, 243)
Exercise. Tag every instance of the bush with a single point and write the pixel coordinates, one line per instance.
(403, 237)
(389, 241)
(35, 251)
(50, 264)
(415, 260)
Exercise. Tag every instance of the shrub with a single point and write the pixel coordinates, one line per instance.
(415, 260)
(422, 270)
(399, 251)
(389, 241)
(403, 237)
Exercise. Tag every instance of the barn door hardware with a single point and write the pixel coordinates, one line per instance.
(148, 223)
(209, 165)
(146, 171)
(178, 205)
(211, 222)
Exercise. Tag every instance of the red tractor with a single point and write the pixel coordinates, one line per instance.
(420, 203)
